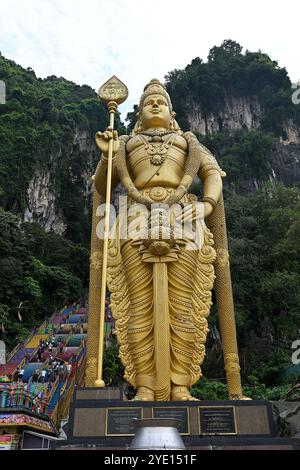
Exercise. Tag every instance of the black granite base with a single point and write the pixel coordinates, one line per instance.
(102, 419)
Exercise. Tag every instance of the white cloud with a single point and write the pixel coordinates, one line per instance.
(88, 41)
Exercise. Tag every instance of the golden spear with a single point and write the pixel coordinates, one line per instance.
(113, 93)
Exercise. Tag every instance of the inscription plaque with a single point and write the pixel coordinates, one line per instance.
(120, 421)
(217, 421)
(181, 414)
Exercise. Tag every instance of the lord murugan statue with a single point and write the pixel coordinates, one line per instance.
(160, 285)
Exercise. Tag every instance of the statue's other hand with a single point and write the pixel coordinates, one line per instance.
(103, 138)
(193, 212)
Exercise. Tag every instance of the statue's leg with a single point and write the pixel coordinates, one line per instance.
(140, 326)
(190, 283)
(181, 284)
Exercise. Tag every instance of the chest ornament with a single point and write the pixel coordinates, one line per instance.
(157, 149)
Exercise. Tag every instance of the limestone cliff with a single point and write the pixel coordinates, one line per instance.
(234, 94)
(246, 114)
(44, 194)
(41, 206)
(238, 113)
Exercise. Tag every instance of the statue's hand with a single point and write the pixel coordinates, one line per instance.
(103, 138)
(139, 198)
(193, 212)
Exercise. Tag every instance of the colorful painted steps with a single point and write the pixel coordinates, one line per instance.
(35, 341)
(20, 355)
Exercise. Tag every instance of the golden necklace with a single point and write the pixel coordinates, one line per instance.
(157, 148)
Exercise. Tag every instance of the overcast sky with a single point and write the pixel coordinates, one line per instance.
(87, 41)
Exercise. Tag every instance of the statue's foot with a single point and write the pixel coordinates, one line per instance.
(239, 397)
(144, 394)
(181, 394)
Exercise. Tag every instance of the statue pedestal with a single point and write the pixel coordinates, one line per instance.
(103, 419)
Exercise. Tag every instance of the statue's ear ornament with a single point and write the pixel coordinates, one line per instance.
(174, 126)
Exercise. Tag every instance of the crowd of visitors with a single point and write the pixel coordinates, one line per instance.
(32, 386)
(53, 368)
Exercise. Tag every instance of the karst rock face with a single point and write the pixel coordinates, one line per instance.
(238, 113)
(43, 193)
(246, 113)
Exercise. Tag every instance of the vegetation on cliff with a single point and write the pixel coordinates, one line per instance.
(229, 72)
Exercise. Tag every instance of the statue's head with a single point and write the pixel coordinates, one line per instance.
(155, 87)
(155, 109)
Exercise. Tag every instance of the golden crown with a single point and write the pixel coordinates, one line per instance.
(155, 87)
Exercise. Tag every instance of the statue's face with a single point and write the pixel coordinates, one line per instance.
(155, 112)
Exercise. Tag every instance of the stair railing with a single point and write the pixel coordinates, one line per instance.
(13, 352)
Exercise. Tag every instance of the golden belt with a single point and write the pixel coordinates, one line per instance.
(161, 193)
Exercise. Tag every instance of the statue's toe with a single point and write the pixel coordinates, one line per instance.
(181, 394)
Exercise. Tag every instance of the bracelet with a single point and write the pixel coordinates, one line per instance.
(210, 200)
(181, 190)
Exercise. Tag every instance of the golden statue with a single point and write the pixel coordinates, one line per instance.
(160, 283)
